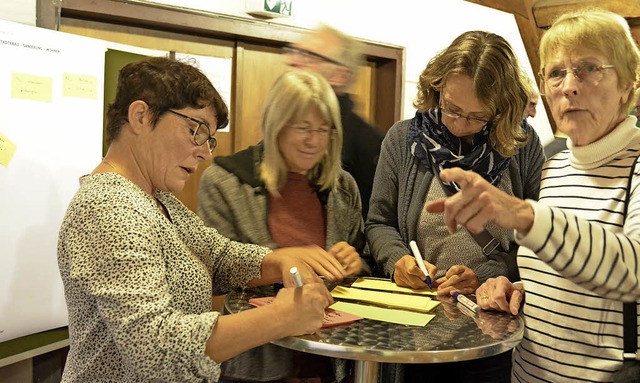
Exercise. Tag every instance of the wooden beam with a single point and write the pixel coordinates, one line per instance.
(545, 11)
(137, 13)
(531, 34)
(517, 7)
(202, 23)
(178, 19)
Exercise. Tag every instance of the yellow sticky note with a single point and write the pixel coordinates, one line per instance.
(7, 149)
(385, 315)
(403, 301)
(378, 284)
(80, 86)
(31, 87)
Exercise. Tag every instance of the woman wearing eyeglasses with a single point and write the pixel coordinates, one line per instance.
(579, 244)
(290, 190)
(472, 100)
(139, 268)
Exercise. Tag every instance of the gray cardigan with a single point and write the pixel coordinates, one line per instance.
(401, 184)
(233, 199)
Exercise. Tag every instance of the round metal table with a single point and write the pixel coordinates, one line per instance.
(451, 336)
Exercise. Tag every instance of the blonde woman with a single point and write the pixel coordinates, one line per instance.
(289, 189)
(579, 250)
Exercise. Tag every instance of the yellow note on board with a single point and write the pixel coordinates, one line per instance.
(385, 315)
(7, 149)
(403, 301)
(80, 86)
(379, 284)
(30, 87)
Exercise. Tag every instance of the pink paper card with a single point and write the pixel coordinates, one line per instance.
(331, 317)
(261, 301)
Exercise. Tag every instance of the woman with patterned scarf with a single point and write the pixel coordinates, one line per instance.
(472, 100)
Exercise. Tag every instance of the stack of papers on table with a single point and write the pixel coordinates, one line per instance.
(384, 285)
(399, 306)
(402, 301)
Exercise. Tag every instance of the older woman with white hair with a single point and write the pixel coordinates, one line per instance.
(580, 243)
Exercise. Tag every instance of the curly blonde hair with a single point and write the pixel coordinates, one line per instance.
(499, 83)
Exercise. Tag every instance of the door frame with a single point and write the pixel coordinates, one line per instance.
(387, 59)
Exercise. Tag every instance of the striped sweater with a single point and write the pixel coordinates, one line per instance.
(579, 262)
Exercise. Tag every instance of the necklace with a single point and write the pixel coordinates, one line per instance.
(112, 166)
(162, 208)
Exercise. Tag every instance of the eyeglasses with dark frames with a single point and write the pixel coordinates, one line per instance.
(201, 134)
(456, 115)
(307, 53)
(584, 72)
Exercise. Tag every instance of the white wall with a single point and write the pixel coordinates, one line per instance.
(423, 27)
(20, 11)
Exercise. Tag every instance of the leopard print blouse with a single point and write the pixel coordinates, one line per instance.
(139, 286)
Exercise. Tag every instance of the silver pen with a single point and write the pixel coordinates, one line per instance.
(297, 279)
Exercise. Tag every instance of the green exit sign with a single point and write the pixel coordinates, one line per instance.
(269, 8)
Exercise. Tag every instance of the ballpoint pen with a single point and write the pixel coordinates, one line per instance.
(420, 262)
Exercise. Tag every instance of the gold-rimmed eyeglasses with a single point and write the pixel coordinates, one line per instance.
(201, 134)
(455, 115)
(584, 72)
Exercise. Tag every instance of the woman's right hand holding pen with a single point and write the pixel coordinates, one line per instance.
(406, 273)
(302, 307)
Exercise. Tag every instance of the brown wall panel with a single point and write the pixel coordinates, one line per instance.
(256, 65)
(257, 68)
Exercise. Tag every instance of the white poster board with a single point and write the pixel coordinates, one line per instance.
(51, 107)
(218, 70)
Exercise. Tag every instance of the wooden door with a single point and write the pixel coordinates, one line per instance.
(257, 67)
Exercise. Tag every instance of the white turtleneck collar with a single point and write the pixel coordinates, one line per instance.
(593, 155)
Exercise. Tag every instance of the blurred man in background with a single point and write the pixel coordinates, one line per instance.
(336, 56)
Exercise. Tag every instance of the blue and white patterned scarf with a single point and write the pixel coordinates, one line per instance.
(429, 137)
